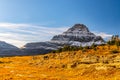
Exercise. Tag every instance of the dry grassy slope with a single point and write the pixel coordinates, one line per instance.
(100, 64)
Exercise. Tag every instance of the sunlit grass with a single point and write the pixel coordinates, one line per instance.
(68, 65)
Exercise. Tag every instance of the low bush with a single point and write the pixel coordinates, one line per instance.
(114, 51)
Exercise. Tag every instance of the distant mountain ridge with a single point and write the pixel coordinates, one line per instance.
(78, 35)
(8, 49)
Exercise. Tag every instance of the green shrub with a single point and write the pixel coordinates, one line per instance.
(80, 48)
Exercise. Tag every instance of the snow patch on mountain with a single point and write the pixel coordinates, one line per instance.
(78, 35)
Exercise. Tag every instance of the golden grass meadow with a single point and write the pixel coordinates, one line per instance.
(99, 64)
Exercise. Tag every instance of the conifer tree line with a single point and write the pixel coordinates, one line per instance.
(115, 40)
(74, 48)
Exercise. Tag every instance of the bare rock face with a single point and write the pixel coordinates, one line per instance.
(78, 35)
(79, 28)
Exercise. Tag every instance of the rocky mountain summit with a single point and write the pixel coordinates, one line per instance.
(78, 35)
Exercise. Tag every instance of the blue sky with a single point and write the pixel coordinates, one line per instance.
(23, 21)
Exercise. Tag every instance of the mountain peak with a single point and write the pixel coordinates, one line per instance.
(77, 35)
(4, 45)
(79, 28)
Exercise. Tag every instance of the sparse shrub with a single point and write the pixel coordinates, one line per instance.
(46, 57)
(80, 47)
(74, 65)
(87, 47)
(117, 43)
(73, 48)
(53, 51)
(1, 62)
(59, 50)
(93, 46)
(64, 66)
(114, 41)
(111, 42)
(114, 51)
(50, 66)
(66, 48)
(84, 50)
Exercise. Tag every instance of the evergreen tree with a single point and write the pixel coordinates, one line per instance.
(93, 46)
(117, 43)
(80, 47)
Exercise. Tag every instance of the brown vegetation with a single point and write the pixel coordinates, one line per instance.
(101, 63)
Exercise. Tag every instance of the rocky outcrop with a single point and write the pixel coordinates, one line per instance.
(78, 35)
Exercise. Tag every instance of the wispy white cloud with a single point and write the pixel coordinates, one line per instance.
(19, 34)
(12, 25)
(103, 35)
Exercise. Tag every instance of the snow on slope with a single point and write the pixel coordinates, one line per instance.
(78, 35)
